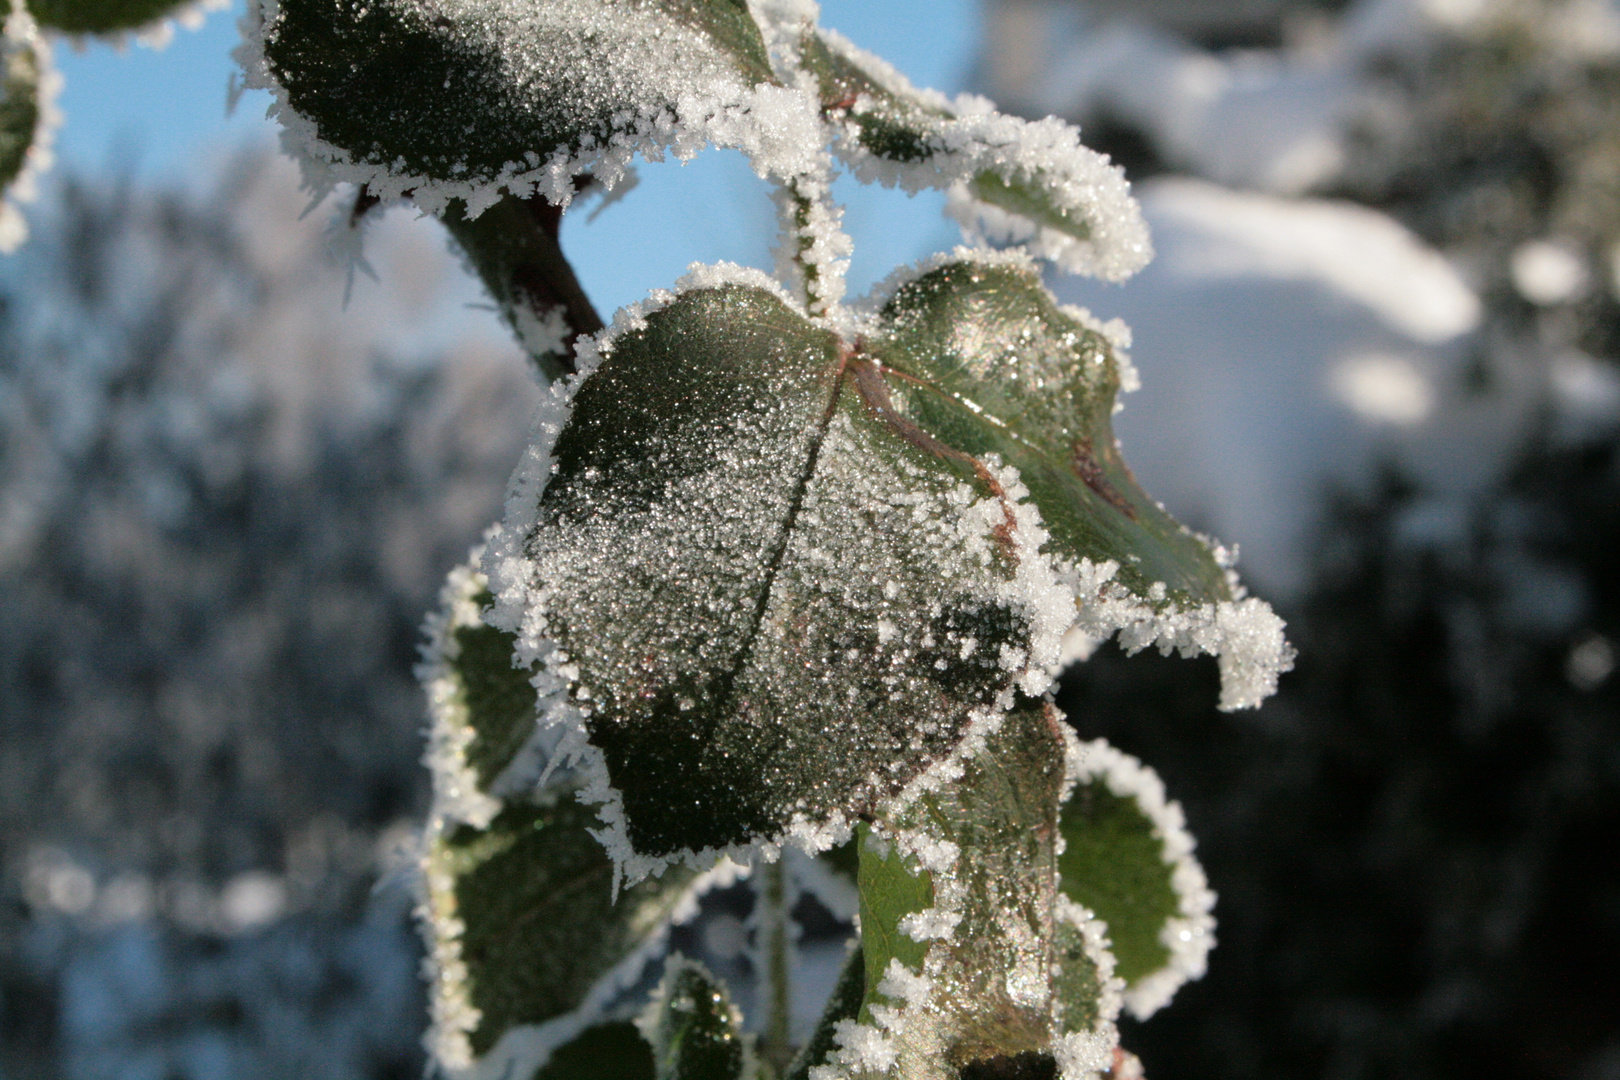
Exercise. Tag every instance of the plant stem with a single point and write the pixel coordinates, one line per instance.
(776, 1041)
(514, 247)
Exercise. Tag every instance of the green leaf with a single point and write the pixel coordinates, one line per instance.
(693, 1027)
(982, 357)
(1010, 977)
(1128, 858)
(99, 16)
(1113, 863)
(781, 570)
(471, 94)
(19, 104)
(500, 699)
(892, 887)
(765, 593)
(1066, 202)
(892, 123)
(525, 907)
(614, 1051)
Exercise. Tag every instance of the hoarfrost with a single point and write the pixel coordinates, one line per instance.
(457, 795)
(1190, 935)
(607, 81)
(1093, 225)
(932, 924)
(1245, 635)
(525, 1049)
(819, 520)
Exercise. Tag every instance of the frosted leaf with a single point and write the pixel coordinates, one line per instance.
(986, 360)
(527, 940)
(771, 573)
(1011, 180)
(113, 16)
(1128, 857)
(1244, 634)
(1025, 975)
(482, 707)
(694, 1030)
(469, 98)
(28, 119)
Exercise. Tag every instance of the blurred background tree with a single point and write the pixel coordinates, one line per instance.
(227, 502)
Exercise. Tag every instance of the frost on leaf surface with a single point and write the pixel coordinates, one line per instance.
(983, 358)
(974, 961)
(1127, 856)
(774, 574)
(483, 708)
(1011, 180)
(104, 16)
(525, 929)
(528, 939)
(463, 97)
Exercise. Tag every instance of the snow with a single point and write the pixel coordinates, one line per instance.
(1383, 388)
(1275, 364)
(1548, 272)
(1248, 119)
(1358, 253)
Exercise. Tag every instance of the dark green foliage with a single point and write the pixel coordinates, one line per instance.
(99, 16)
(534, 892)
(729, 24)
(1002, 816)
(500, 699)
(892, 127)
(1026, 199)
(459, 96)
(907, 129)
(892, 887)
(729, 451)
(1036, 388)
(1114, 865)
(1077, 981)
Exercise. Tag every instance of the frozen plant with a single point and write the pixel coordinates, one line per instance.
(760, 652)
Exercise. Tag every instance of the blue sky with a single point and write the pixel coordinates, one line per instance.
(161, 115)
